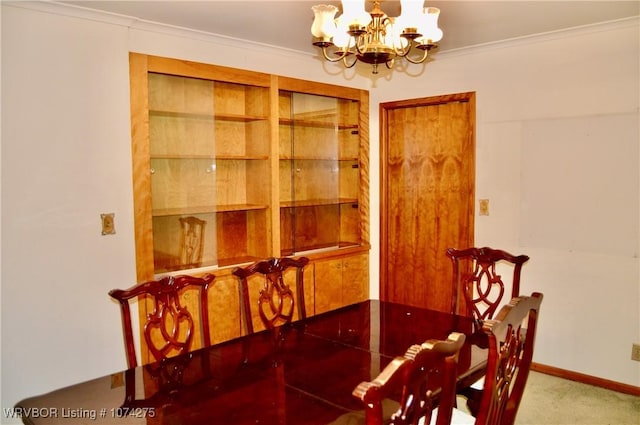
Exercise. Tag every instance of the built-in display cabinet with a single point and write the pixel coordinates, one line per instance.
(232, 166)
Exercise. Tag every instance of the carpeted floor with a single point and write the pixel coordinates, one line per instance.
(549, 400)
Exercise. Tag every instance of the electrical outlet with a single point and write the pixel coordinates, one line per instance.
(117, 380)
(635, 352)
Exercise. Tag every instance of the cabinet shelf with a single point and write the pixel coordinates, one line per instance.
(321, 247)
(207, 116)
(207, 209)
(211, 157)
(316, 124)
(318, 158)
(167, 265)
(317, 202)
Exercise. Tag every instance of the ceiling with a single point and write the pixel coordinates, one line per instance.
(287, 23)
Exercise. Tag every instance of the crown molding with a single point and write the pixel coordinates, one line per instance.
(73, 11)
(150, 26)
(630, 22)
(134, 23)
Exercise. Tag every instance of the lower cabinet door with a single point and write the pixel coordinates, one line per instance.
(328, 285)
(224, 309)
(355, 279)
(341, 281)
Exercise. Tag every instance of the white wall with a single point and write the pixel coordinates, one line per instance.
(557, 156)
(66, 159)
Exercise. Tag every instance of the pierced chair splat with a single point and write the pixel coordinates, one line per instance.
(170, 327)
(276, 300)
(482, 287)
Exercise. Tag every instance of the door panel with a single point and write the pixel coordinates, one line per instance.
(428, 180)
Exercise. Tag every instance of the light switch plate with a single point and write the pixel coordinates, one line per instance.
(635, 352)
(108, 224)
(484, 207)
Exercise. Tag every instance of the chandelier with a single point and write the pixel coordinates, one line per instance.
(373, 37)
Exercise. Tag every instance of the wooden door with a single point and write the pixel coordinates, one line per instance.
(427, 195)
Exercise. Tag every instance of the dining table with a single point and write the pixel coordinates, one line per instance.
(300, 373)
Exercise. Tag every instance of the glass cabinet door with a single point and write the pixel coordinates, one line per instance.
(319, 173)
(209, 172)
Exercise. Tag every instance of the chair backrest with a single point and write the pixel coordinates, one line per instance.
(276, 300)
(169, 327)
(511, 338)
(475, 275)
(407, 381)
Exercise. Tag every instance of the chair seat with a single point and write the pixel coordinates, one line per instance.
(460, 417)
(357, 417)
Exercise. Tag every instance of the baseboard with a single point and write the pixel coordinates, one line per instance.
(586, 379)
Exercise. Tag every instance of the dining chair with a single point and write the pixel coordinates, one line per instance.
(275, 300)
(511, 340)
(478, 284)
(478, 290)
(170, 327)
(405, 380)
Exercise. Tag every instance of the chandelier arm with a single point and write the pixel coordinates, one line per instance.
(390, 63)
(357, 42)
(334, 59)
(403, 51)
(414, 61)
(347, 64)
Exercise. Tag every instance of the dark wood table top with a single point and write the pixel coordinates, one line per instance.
(303, 375)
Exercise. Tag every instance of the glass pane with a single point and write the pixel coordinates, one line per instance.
(183, 172)
(319, 173)
(315, 172)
